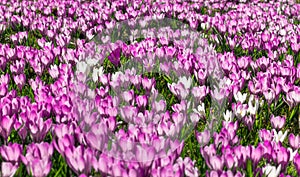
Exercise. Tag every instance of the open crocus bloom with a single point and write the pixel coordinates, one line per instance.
(271, 171)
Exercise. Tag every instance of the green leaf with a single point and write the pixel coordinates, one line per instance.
(249, 168)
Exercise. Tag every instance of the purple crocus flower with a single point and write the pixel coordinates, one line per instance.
(277, 122)
(128, 96)
(269, 95)
(63, 143)
(216, 162)
(200, 92)
(114, 57)
(80, 159)
(11, 152)
(20, 80)
(249, 121)
(141, 100)
(256, 154)
(6, 125)
(37, 159)
(297, 163)
(266, 135)
(38, 128)
(148, 83)
(97, 137)
(294, 141)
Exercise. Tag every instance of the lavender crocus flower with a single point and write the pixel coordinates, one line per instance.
(277, 122)
(37, 159)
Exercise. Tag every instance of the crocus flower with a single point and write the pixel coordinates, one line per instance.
(114, 57)
(39, 167)
(141, 100)
(128, 113)
(249, 121)
(79, 159)
(11, 152)
(20, 80)
(266, 135)
(294, 141)
(201, 76)
(187, 82)
(97, 72)
(145, 155)
(8, 169)
(200, 109)
(216, 162)
(200, 92)
(203, 138)
(292, 153)
(279, 136)
(297, 163)
(37, 159)
(128, 96)
(240, 110)
(228, 116)
(159, 106)
(63, 143)
(219, 95)
(98, 136)
(179, 90)
(53, 71)
(39, 128)
(269, 95)
(148, 83)
(240, 97)
(6, 125)
(82, 67)
(271, 171)
(277, 122)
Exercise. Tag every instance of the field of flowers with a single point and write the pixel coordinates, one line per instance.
(144, 88)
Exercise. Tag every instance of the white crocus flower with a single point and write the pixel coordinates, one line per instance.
(48, 44)
(91, 61)
(187, 82)
(91, 93)
(116, 76)
(241, 111)
(240, 97)
(279, 136)
(271, 171)
(252, 109)
(200, 109)
(82, 67)
(95, 75)
(97, 72)
(292, 153)
(228, 116)
(228, 82)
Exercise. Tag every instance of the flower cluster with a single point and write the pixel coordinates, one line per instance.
(149, 88)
